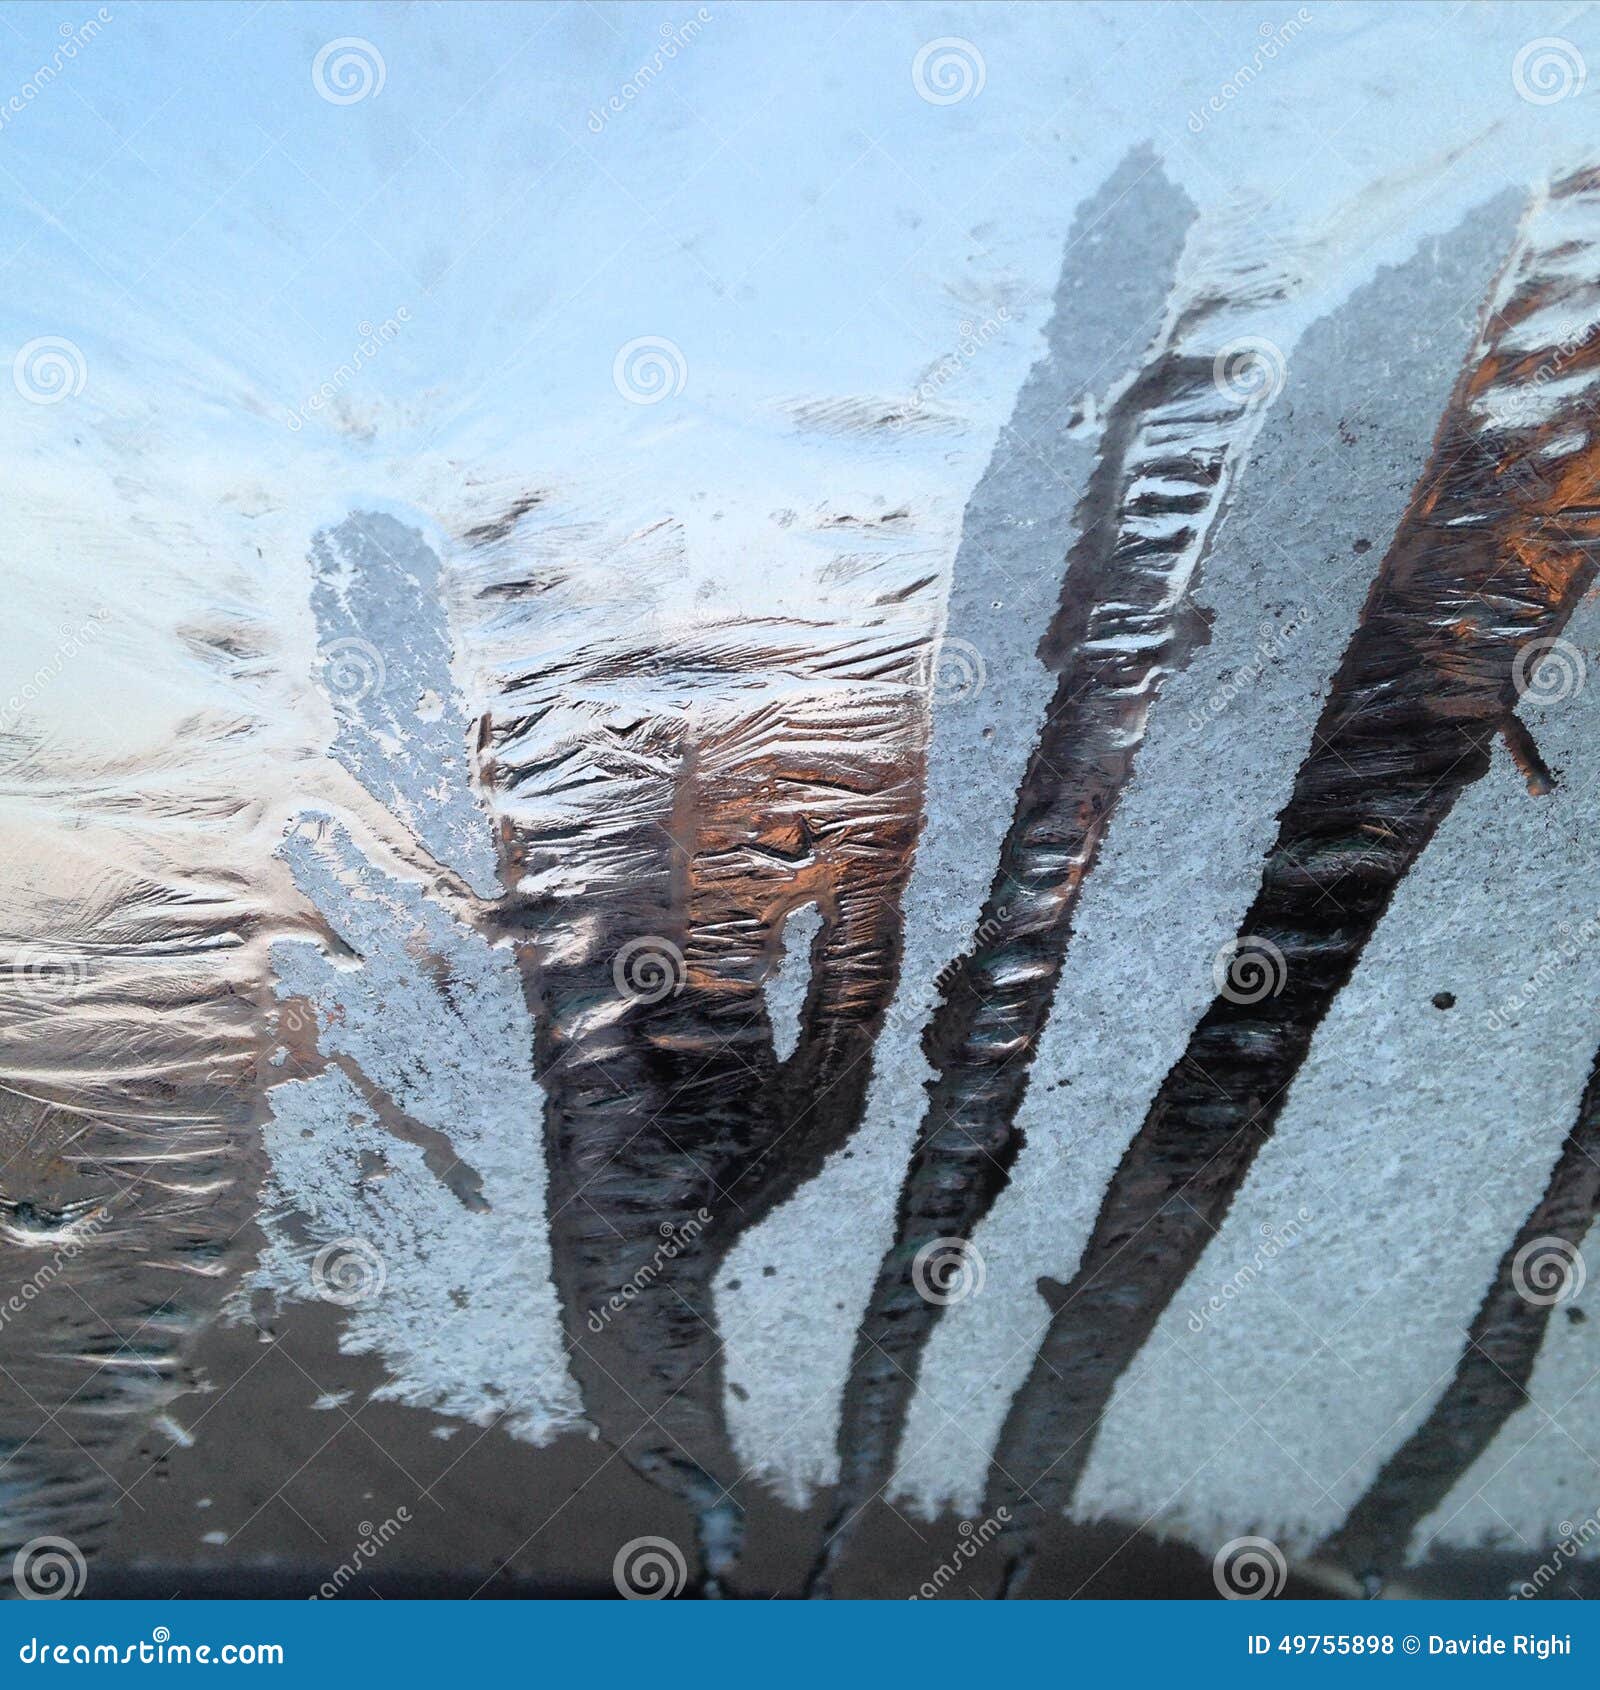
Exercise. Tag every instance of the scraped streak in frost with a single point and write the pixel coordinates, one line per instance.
(1540, 1277)
(1370, 1296)
(1199, 811)
(1492, 555)
(674, 788)
(1538, 1474)
(823, 1246)
(1376, 1287)
(1177, 440)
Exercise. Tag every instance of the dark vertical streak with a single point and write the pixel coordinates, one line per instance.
(1491, 1379)
(1173, 444)
(840, 835)
(671, 1127)
(629, 1173)
(1497, 546)
(668, 1108)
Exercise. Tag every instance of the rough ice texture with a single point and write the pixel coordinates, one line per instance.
(672, 782)
(867, 282)
(1487, 558)
(1176, 442)
(422, 1137)
(1006, 582)
(1384, 1134)
(384, 662)
(1289, 543)
(433, 1020)
(128, 995)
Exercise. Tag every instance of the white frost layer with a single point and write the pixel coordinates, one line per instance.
(1418, 1139)
(787, 985)
(823, 1245)
(435, 1019)
(1544, 1464)
(1182, 860)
